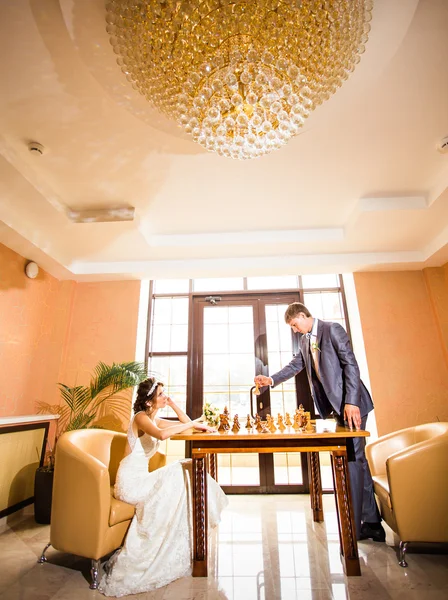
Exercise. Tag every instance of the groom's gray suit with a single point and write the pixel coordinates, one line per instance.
(337, 384)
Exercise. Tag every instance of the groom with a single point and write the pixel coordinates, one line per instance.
(337, 390)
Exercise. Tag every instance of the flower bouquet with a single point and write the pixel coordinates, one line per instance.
(211, 414)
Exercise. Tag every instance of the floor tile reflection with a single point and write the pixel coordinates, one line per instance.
(266, 548)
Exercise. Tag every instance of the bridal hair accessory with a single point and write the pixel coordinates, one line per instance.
(152, 389)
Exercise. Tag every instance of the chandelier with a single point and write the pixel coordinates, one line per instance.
(240, 76)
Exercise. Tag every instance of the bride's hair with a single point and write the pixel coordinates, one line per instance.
(146, 393)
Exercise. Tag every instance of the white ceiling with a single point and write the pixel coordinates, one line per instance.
(363, 187)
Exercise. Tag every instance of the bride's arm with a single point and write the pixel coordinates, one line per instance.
(183, 418)
(145, 424)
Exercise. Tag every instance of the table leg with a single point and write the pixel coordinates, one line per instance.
(315, 486)
(200, 523)
(213, 466)
(344, 510)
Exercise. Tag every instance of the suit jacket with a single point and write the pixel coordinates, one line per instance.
(339, 378)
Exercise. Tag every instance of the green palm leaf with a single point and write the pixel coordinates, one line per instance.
(83, 404)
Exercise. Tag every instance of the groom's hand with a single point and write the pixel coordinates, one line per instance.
(262, 380)
(352, 416)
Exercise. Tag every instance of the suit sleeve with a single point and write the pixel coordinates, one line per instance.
(294, 367)
(349, 365)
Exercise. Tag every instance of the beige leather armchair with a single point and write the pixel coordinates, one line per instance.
(410, 474)
(86, 519)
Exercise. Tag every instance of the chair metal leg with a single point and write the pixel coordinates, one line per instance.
(94, 571)
(403, 547)
(42, 557)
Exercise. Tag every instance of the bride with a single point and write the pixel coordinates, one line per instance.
(158, 545)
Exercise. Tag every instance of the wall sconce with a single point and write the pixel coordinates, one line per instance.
(31, 270)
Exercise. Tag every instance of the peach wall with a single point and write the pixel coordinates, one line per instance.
(103, 328)
(57, 331)
(406, 358)
(34, 318)
(437, 283)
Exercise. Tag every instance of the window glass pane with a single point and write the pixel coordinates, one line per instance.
(279, 340)
(218, 396)
(170, 310)
(241, 338)
(241, 369)
(216, 338)
(238, 469)
(313, 302)
(172, 371)
(171, 286)
(272, 283)
(320, 281)
(287, 468)
(283, 401)
(273, 335)
(167, 338)
(218, 284)
(229, 358)
(179, 338)
(332, 305)
(160, 339)
(161, 311)
(325, 305)
(179, 308)
(216, 314)
(241, 314)
(216, 370)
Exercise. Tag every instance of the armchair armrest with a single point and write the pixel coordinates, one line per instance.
(379, 451)
(81, 501)
(418, 481)
(157, 461)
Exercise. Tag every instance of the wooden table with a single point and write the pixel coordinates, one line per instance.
(327, 436)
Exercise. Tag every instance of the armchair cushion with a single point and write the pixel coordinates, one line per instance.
(119, 511)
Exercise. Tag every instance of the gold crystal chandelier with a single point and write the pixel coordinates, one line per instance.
(240, 76)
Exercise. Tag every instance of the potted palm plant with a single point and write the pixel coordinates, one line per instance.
(99, 404)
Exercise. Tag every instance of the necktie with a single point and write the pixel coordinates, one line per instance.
(314, 353)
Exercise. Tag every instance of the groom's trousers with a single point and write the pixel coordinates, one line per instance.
(365, 508)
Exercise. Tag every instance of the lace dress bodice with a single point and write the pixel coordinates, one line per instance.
(145, 446)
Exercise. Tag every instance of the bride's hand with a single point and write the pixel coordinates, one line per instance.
(170, 402)
(203, 427)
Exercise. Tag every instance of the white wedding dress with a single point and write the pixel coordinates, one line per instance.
(158, 545)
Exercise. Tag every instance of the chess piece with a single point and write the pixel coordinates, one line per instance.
(249, 423)
(296, 425)
(224, 422)
(288, 420)
(258, 425)
(300, 412)
(270, 424)
(257, 390)
(280, 423)
(226, 412)
(236, 424)
(264, 428)
(309, 426)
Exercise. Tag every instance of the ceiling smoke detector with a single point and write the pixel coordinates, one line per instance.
(442, 146)
(36, 148)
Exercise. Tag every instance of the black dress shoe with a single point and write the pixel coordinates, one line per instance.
(373, 531)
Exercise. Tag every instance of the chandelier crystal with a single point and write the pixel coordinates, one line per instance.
(240, 76)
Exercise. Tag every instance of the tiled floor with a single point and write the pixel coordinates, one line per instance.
(267, 548)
